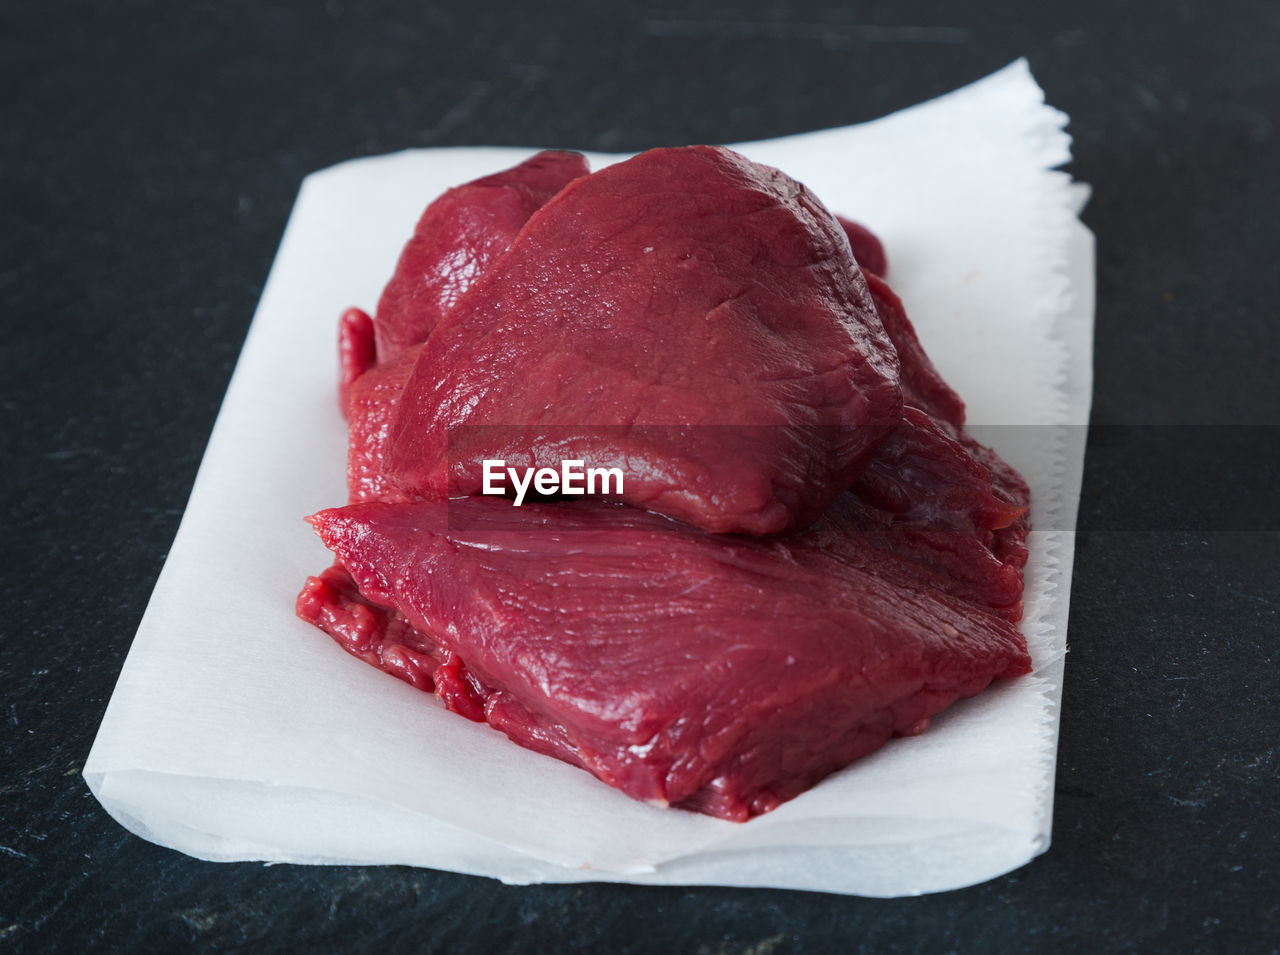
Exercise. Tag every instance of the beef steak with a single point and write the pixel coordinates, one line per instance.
(719, 673)
(689, 316)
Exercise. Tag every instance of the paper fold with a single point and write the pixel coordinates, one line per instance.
(238, 732)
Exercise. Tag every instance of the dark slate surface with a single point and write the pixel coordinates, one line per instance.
(151, 153)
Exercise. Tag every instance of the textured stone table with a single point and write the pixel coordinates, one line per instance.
(151, 153)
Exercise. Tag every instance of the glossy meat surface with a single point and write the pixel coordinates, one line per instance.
(721, 673)
(382, 637)
(357, 352)
(370, 408)
(687, 315)
(700, 321)
(457, 238)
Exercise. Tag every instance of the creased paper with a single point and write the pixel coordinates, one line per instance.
(238, 732)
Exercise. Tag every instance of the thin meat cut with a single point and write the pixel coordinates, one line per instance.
(689, 316)
(370, 407)
(931, 500)
(718, 673)
(922, 386)
(357, 352)
(867, 250)
(846, 560)
(457, 238)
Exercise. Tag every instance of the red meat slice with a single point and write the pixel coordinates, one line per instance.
(457, 238)
(927, 469)
(384, 638)
(689, 316)
(1009, 544)
(932, 502)
(922, 386)
(697, 319)
(371, 405)
(718, 673)
(356, 352)
(868, 252)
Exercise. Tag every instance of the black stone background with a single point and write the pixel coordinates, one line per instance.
(151, 153)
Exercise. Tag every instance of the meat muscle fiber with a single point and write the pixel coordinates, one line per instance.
(702, 321)
(715, 672)
(690, 316)
(457, 238)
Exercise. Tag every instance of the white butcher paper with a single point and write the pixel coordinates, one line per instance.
(238, 732)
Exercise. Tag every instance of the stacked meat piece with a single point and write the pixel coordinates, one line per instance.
(808, 556)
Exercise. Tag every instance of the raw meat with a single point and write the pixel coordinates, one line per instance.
(930, 467)
(384, 638)
(867, 250)
(357, 352)
(714, 672)
(370, 408)
(922, 386)
(933, 503)
(457, 238)
(687, 315)
(701, 320)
